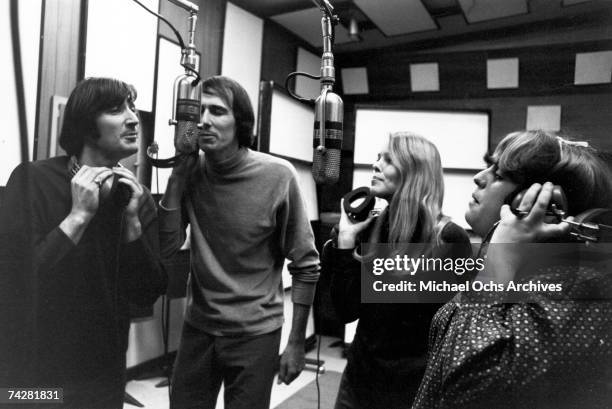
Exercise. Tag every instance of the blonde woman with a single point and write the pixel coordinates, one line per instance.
(386, 360)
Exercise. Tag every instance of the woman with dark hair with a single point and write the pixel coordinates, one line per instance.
(78, 244)
(386, 359)
(552, 348)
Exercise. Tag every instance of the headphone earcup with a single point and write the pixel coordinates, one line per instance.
(115, 193)
(359, 212)
(558, 199)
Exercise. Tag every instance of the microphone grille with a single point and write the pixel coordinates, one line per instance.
(326, 166)
(186, 136)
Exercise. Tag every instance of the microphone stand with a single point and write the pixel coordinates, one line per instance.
(328, 77)
(187, 85)
(190, 83)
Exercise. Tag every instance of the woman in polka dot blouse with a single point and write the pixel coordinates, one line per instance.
(552, 349)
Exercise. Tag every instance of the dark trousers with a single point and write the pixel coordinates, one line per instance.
(346, 398)
(369, 387)
(245, 364)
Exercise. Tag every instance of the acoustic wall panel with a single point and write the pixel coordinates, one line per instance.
(546, 117)
(503, 73)
(242, 45)
(310, 63)
(424, 77)
(461, 136)
(458, 189)
(355, 80)
(167, 71)
(593, 68)
(291, 128)
(121, 39)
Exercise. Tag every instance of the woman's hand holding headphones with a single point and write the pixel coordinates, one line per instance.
(349, 229)
(535, 225)
(531, 225)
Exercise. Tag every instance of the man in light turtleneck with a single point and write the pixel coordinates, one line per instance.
(247, 216)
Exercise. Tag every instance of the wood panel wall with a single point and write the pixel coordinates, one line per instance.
(59, 63)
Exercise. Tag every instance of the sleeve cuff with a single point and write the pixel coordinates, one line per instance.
(65, 243)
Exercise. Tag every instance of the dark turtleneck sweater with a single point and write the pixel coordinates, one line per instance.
(66, 306)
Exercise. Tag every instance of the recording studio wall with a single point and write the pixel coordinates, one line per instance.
(546, 77)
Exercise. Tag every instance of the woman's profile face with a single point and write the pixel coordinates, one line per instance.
(492, 189)
(386, 176)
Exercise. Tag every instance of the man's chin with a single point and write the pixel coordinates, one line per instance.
(206, 147)
(130, 150)
(205, 144)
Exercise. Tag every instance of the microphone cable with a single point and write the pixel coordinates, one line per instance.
(178, 37)
(162, 18)
(165, 320)
(293, 94)
(317, 371)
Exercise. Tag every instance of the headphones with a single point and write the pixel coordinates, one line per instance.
(358, 203)
(556, 207)
(593, 225)
(590, 226)
(111, 191)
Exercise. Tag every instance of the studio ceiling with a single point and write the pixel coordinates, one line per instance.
(383, 23)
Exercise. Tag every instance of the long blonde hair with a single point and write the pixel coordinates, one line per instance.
(418, 199)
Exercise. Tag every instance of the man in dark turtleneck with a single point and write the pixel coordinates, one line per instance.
(246, 216)
(73, 258)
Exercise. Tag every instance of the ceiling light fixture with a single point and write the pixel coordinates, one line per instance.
(354, 30)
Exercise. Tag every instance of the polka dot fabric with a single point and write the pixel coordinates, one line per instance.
(554, 351)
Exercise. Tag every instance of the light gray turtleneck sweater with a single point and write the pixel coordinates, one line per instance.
(247, 216)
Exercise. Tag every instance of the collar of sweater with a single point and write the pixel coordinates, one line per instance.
(227, 165)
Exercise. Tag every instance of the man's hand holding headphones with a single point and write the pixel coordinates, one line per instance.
(133, 228)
